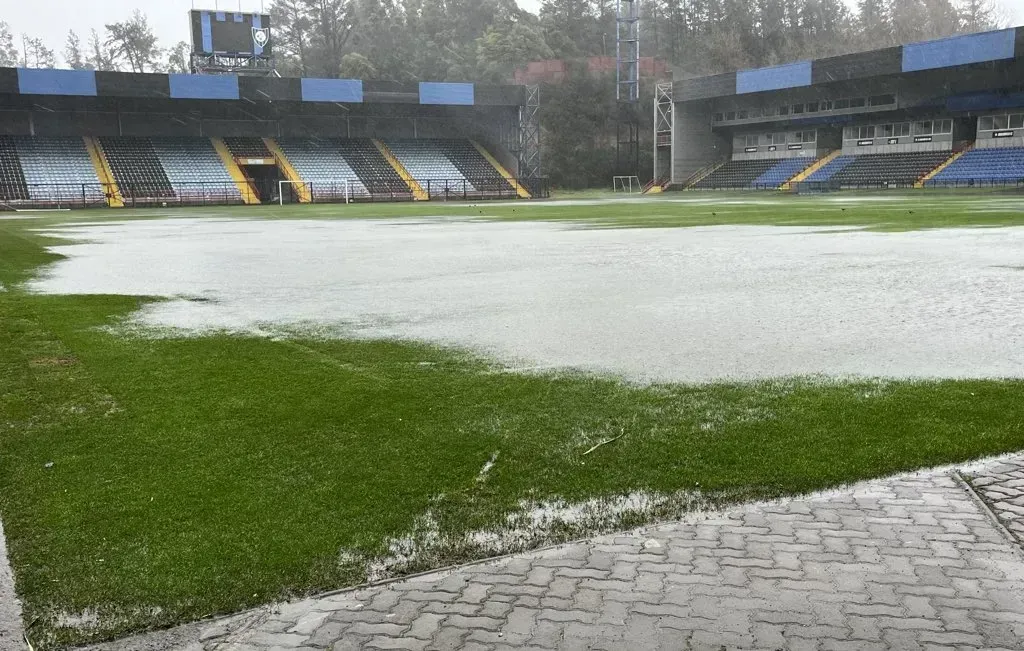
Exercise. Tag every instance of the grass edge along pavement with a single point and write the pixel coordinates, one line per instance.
(201, 476)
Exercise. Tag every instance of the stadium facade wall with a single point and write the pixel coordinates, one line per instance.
(494, 123)
(88, 83)
(954, 79)
(694, 145)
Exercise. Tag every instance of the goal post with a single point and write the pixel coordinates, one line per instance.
(626, 184)
(317, 191)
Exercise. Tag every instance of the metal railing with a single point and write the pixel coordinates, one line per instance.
(225, 193)
(811, 187)
(974, 183)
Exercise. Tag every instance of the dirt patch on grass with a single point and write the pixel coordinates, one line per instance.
(53, 361)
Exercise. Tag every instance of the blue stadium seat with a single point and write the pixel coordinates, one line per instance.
(831, 169)
(984, 166)
(784, 171)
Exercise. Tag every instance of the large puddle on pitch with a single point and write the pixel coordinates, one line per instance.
(687, 304)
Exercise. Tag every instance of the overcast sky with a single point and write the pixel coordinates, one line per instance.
(51, 19)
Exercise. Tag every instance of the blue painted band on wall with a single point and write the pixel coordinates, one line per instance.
(793, 75)
(257, 23)
(447, 94)
(207, 32)
(203, 86)
(332, 90)
(56, 82)
(959, 50)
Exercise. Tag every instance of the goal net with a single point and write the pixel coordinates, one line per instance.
(339, 191)
(626, 184)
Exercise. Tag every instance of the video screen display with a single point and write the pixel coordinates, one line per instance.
(229, 32)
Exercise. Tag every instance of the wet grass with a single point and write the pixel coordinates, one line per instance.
(198, 476)
(889, 211)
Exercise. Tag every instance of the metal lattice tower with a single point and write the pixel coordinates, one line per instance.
(627, 50)
(663, 131)
(529, 135)
(627, 86)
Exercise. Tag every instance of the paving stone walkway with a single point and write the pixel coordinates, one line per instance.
(10, 610)
(916, 562)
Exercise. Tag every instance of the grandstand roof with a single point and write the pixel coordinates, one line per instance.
(949, 52)
(89, 83)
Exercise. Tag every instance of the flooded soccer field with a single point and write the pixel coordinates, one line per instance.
(653, 304)
(205, 410)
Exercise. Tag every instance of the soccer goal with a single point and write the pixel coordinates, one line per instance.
(627, 184)
(315, 191)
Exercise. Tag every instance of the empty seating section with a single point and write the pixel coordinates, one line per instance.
(888, 169)
(830, 169)
(247, 148)
(136, 168)
(484, 177)
(784, 171)
(982, 166)
(375, 172)
(426, 162)
(321, 164)
(58, 170)
(12, 180)
(736, 174)
(195, 170)
(161, 170)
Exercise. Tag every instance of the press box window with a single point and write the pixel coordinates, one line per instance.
(857, 102)
(731, 115)
(719, 117)
(923, 128)
(882, 100)
(812, 107)
(944, 126)
(985, 123)
(798, 108)
(783, 110)
(842, 104)
(1001, 122)
(1017, 121)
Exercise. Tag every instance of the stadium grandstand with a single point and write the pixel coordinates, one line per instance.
(945, 113)
(85, 138)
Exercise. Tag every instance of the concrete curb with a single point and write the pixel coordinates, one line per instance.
(984, 506)
(12, 633)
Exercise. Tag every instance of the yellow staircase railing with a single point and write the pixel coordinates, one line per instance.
(283, 164)
(935, 172)
(520, 190)
(806, 174)
(418, 193)
(244, 187)
(700, 175)
(104, 173)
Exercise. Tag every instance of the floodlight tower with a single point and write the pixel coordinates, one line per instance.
(627, 50)
(627, 86)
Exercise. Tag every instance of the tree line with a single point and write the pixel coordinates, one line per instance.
(486, 40)
(129, 45)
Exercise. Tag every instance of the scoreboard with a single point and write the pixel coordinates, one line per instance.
(231, 33)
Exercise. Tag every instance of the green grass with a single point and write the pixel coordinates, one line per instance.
(199, 476)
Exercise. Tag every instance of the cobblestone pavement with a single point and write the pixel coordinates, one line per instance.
(906, 563)
(10, 609)
(1002, 487)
